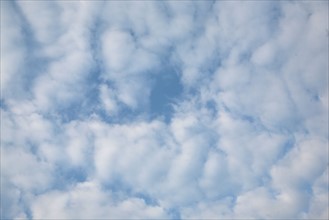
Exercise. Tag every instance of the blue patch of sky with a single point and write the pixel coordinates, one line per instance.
(288, 145)
(248, 118)
(87, 104)
(118, 186)
(147, 198)
(166, 90)
(66, 176)
(274, 13)
(227, 188)
(210, 66)
(3, 104)
(211, 107)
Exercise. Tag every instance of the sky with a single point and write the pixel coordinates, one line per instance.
(164, 110)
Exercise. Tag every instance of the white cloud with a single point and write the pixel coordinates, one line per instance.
(46, 30)
(88, 200)
(108, 99)
(118, 49)
(319, 201)
(28, 174)
(264, 55)
(247, 137)
(13, 51)
(304, 163)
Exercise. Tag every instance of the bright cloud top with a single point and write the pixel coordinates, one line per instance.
(164, 109)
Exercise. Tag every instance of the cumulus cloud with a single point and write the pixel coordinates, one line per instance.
(164, 110)
(96, 203)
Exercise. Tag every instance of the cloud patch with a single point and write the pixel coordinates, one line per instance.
(163, 110)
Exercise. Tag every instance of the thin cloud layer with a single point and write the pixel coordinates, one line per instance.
(164, 110)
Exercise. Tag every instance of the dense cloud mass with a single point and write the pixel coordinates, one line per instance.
(164, 109)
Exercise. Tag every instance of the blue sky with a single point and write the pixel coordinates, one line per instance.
(164, 110)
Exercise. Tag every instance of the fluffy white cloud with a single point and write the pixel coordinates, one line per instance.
(246, 136)
(88, 200)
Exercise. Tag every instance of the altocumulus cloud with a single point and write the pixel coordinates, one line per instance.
(164, 109)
